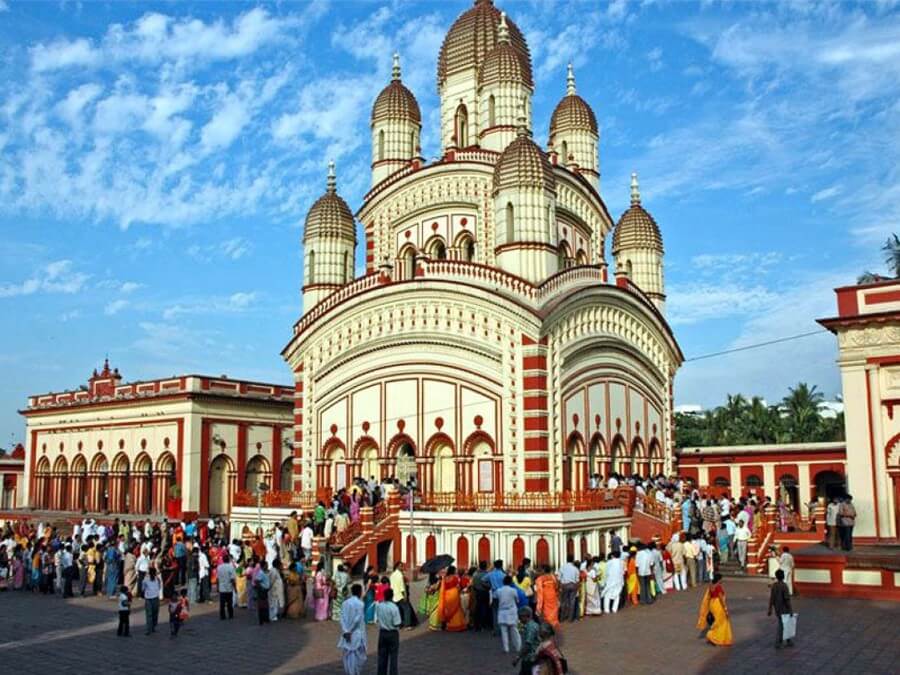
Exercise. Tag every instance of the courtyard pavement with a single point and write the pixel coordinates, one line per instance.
(48, 635)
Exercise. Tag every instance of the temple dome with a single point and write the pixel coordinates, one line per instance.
(329, 215)
(473, 36)
(396, 102)
(523, 164)
(636, 228)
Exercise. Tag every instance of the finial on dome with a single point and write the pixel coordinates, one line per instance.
(395, 71)
(635, 189)
(570, 81)
(503, 30)
(522, 119)
(332, 178)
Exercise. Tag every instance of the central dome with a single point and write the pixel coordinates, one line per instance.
(472, 36)
(523, 164)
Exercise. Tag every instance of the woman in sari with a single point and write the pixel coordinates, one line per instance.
(341, 583)
(449, 612)
(320, 592)
(170, 574)
(547, 593)
(240, 586)
(428, 605)
(370, 580)
(713, 617)
(354, 509)
(294, 609)
(632, 577)
(18, 569)
(466, 594)
(592, 604)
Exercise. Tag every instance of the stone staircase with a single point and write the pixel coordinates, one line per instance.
(376, 525)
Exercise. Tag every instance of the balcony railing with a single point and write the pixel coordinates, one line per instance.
(278, 498)
(542, 502)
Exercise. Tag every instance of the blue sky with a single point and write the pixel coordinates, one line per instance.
(157, 162)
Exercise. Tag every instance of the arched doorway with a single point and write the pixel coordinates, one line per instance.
(437, 249)
(42, 484)
(430, 547)
(462, 552)
(257, 472)
(220, 471)
(788, 492)
(164, 480)
(285, 475)
(638, 465)
(78, 480)
(142, 481)
(337, 467)
(830, 484)
(370, 467)
(596, 452)
(484, 549)
(620, 458)
(406, 454)
(542, 552)
(100, 469)
(60, 483)
(444, 470)
(484, 463)
(121, 488)
(518, 551)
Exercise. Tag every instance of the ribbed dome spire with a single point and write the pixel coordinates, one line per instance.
(523, 163)
(473, 35)
(636, 228)
(504, 63)
(572, 112)
(396, 102)
(330, 215)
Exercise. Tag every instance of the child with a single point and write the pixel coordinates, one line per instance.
(178, 612)
(380, 588)
(124, 612)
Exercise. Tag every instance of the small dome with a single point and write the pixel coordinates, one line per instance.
(472, 36)
(636, 228)
(572, 113)
(523, 164)
(396, 102)
(504, 63)
(330, 216)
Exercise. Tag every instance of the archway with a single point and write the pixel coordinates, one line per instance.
(430, 547)
(788, 492)
(436, 249)
(461, 127)
(100, 470)
(78, 480)
(465, 246)
(462, 552)
(142, 481)
(286, 475)
(518, 551)
(120, 499)
(257, 472)
(484, 461)
(574, 450)
(164, 479)
(620, 458)
(596, 452)
(406, 262)
(444, 470)
(638, 465)
(337, 467)
(59, 482)
(484, 549)
(220, 470)
(542, 552)
(42, 484)
(830, 484)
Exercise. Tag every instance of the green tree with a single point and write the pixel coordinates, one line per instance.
(891, 250)
(801, 413)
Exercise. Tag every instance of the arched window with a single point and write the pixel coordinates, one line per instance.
(721, 481)
(581, 257)
(565, 152)
(628, 269)
(311, 272)
(469, 250)
(492, 111)
(437, 250)
(381, 145)
(510, 223)
(346, 271)
(462, 127)
(753, 481)
(407, 261)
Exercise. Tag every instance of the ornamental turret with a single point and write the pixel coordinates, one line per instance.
(329, 245)
(638, 249)
(574, 134)
(396, 127)
(524, 191)
(503, 84)
(465, 49)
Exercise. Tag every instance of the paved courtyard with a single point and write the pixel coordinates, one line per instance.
(45, 634)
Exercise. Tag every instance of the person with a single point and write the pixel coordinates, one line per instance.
(547, 594)
(644, 563)
(129, 571)
(341, 584)
(530, 641)
(615, 581)
(353, 641)
(319, 517)
(675, 549)
(225, 578)
(398, 585)
(592, 603)
(831, 521)
(387, 617)
(480, 609)
(569, 578)
(306, 540)
(786, 565)
(549, 659)
(204, 578)
(507, 615)
(151, 588)
(846, 521)
(192, 574)
(371, 581)
(780, 603)
(124, 612)
(449, 609)
(713, 616)
(178, 612)
(320, 592)
(261, 583)
(276, 591)
(429, 601)
(741, 539)
(111, 560)
(632, 587)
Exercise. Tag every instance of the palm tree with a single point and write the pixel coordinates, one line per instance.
(801, 412)
(891, 251)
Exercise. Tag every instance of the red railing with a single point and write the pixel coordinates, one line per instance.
(277, 498)
(380, 512)
(347, 535)
(589, 500)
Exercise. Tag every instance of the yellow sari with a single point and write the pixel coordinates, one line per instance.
(632, 580)
(714, 603)
(449, 610)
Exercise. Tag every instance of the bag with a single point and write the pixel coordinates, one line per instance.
(788, 626)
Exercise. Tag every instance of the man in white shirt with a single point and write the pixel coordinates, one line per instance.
(568, 580)
(205, 590)
(353, 641)
(612, 483)
(831, 520)
(306, 540)
(387, 616)
(508, 615)
(225, 579)
(741, 537)
(786, 565)
(644, 561)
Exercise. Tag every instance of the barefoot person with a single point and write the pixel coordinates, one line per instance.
(718, 630)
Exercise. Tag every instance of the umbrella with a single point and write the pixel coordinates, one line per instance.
(436, 564)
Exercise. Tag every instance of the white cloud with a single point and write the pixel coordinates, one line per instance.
(654, 56)
(225, 125)
(3, 6)
(129, 287)
(115, 307)
(234, 248)
(72, 107)
(692, 303)
(70, 315)
(234, 303)
(156, 37)
(54, 277)
(827, 193)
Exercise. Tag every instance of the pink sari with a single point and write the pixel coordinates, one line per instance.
(320, 587)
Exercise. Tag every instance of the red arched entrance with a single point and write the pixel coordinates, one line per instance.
(462, 552)
(430, 547)
(518, 551)
(484, 550)
(542, 552)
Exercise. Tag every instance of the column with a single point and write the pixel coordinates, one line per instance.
(769, 480)
(535, 417)
(803, 488)
(734, 477)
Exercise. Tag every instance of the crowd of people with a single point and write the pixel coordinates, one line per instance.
(273, 576)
